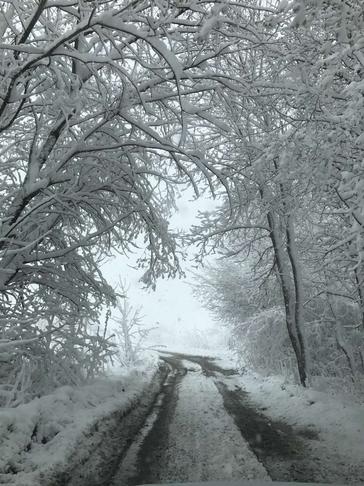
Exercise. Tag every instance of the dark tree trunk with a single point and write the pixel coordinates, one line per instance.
(289, 298)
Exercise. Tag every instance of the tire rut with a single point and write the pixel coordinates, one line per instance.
(148, 460)
(112, 439)
(277, 445)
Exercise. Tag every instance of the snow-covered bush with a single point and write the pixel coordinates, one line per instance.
(50, 354)
(261, 343)
(258, 333)
(251, 313)
(336, 338)
(54, 434)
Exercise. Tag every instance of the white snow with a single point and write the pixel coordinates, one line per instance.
(189, 350)
(41, 436)
(337, 418)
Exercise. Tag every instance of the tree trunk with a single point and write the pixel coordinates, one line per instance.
(345, 348)
(289, 298)
(298, 285)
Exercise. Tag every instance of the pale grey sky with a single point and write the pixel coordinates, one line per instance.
(180, 316)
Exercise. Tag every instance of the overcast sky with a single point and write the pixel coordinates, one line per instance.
(179, 315)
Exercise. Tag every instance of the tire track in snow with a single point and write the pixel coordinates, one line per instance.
(277, 445)
(144, 459)
(204, 442)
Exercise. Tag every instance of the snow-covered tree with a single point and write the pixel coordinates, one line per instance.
(129, 328)
(94, 115)
(292, 152)
(103, 114)
(107, 108)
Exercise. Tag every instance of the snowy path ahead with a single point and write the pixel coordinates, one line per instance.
(203, 427)
(191, 437)
(190, 420)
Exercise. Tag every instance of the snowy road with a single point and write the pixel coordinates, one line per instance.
(202, 425)
(204, 442)
(203, 428)
(192, 437)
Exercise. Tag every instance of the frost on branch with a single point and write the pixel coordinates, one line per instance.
(93, 138)
(130, 331)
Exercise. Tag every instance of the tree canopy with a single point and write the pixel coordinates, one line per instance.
(108, 108)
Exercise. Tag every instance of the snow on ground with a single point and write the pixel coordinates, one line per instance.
(191, 366)
(339, 421)
(191, 350)
(204, 442)
(40, 437)
(225, 359)
(337, 416)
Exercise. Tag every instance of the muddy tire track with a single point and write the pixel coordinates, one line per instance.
(112, 439)
(149, 460)
(277, 445)
(207, 363)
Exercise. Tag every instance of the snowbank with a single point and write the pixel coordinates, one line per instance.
(41, 438)
(339, 420)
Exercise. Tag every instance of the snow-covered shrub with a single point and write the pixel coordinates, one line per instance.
(261, 343)
(46, 355)
(251, 313)
(256, 321)
(336, 339)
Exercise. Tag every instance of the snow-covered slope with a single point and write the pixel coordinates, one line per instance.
(49, 435)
